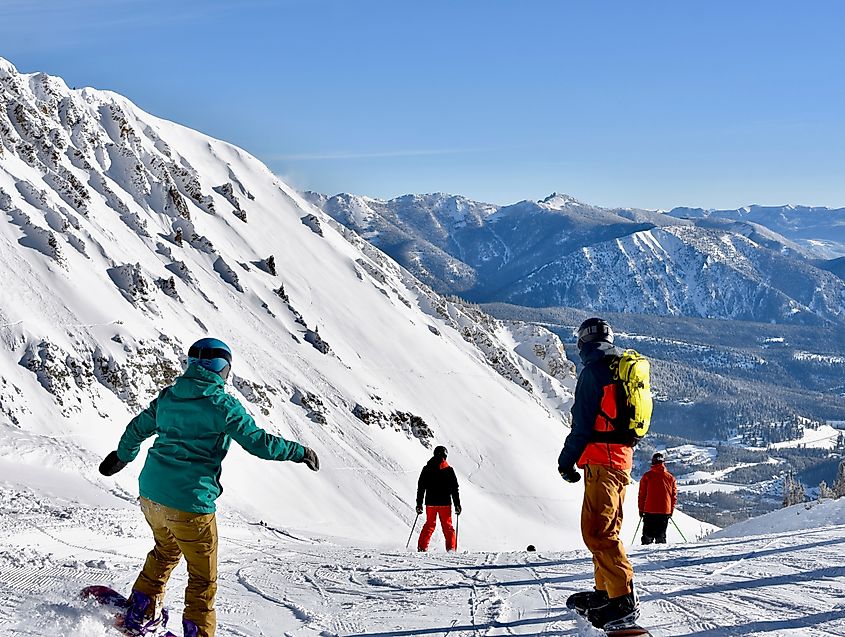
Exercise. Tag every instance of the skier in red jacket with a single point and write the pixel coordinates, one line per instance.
(658, 497)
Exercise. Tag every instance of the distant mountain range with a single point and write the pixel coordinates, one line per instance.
(769, 264)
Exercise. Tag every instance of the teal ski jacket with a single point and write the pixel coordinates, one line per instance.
(195, 421)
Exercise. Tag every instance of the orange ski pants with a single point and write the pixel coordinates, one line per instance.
(431, 515)
(601, 522)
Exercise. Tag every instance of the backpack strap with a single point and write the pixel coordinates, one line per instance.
(618, 434)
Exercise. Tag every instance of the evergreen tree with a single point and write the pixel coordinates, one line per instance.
(839, 484)
(799, 495)
(787, 490)
(793, 490)
(825, 492)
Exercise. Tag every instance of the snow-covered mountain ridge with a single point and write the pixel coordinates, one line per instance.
(819, 229)
(760, 264)
(125, 237)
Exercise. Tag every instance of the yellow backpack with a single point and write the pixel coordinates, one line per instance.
(634, 401)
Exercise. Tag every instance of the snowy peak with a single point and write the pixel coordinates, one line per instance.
(452, 211)
(130, 237)
(437, 209)
(421, 231)
(557, 201)
(7, 69)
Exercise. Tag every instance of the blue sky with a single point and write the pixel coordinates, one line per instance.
(649, 103)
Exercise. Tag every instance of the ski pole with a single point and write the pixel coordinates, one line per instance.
(457, 530)
(408, 543)
(679, 530)
(634, 539)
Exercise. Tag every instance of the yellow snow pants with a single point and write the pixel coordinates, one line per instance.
(601, 522)
(193, 535)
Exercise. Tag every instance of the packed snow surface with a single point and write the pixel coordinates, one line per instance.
(273, 582)
(796, 518)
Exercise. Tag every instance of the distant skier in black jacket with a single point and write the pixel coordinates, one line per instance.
(439, 485)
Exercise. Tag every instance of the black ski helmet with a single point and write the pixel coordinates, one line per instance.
(657, 458)
(440, 452)
(531, 548)
(594, 330)
(211, 354)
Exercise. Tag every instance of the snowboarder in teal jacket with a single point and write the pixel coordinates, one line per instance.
(195, 421)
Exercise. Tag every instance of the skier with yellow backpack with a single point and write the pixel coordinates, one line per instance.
(611, 413)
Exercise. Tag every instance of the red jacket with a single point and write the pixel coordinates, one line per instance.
(658, 491)
(608, 454)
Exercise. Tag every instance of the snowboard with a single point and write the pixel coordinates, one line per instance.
(107, 596)
(630, 630)
(624, 629)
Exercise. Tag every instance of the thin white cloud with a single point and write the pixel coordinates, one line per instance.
(344, 155)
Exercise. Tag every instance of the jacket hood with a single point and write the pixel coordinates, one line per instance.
(197, 382)
(437, 463)
(592, 352)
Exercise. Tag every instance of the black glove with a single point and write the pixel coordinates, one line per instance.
(419, 509)
(111, 465)
(458, 509)
(310, 459)
(570, 474)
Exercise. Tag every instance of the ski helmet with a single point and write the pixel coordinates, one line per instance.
(657, 458)
(594, 330)
(212, 354)
(440, 452)
(531, 548)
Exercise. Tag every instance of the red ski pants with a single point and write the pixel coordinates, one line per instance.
(431, 515)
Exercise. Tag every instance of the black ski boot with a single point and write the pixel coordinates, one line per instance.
(618, 612)
(585, 600)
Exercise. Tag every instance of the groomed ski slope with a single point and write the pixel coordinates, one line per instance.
(275, 582)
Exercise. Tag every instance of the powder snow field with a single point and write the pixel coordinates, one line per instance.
(274, 582)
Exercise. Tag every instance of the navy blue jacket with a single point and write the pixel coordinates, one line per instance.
(588, 394)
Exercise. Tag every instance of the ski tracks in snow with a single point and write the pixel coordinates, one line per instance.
(272, 584)
(787, 584)
(784, 584)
